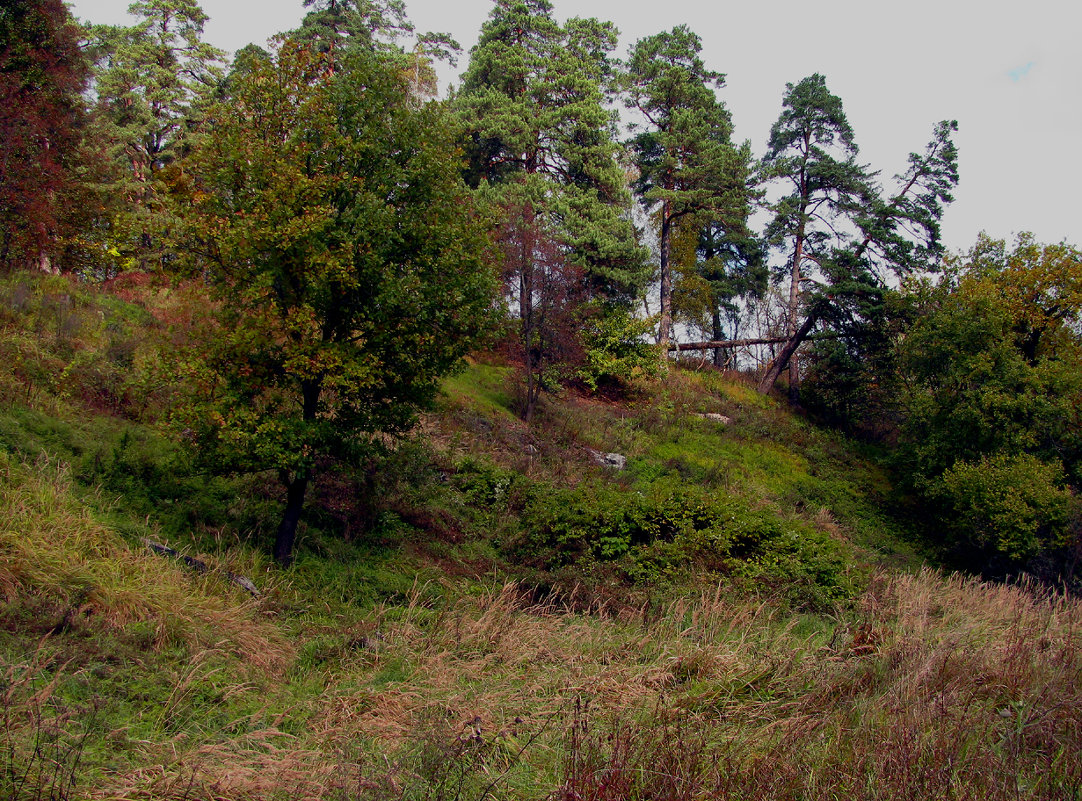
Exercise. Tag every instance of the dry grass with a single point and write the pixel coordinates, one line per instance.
(944, 688)
(933, 687)
(940, 688)
(85, 576)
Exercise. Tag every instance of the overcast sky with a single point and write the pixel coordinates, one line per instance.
(1010, 73)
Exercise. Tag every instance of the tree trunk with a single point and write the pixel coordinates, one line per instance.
(665, 334)
(296, 484)
(719, 356)
(794, 308)
(287, 529)
(740, 343)
(526, 312)
(780, 361)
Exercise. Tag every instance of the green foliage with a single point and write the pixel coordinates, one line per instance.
(333, 25)
(64, 343)
(717, 269)
(812, 154)
(543, 154)
(1008, 504)
(686, 162)
(328, 213)
(534, 108)
(152, 82)
(853, 381)
(616, 349)
(836, 226)
(667, 530)
(43, 72)
(995, 394)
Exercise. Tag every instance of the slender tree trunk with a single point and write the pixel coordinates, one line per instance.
(526, 311)
(719, 358)
(794, 310)
(665, 334)
(296, 484)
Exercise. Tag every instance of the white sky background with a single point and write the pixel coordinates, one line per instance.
(1011, 74)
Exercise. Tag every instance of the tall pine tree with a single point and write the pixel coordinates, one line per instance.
(541, 146)
(152, 81)
(842, 237)
(687, 164)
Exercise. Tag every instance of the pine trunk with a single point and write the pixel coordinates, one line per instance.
(665, 334)
(526, 315)
(719, 353)
(779, 363)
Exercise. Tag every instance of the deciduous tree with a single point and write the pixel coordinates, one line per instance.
(329, 214)
(42, 119)
(993, 416)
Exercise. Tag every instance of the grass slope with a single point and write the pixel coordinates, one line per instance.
(484, 612)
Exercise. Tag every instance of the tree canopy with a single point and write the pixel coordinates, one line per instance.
(542, 150)
(842, 236)
(992, 427)
(328, 213)
(686, 163)
(42, 119)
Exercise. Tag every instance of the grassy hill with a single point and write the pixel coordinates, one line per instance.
(484, 611)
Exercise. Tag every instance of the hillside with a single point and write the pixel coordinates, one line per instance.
(481, 609)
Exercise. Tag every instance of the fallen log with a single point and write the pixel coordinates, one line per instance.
(740, 343)
(200, 566)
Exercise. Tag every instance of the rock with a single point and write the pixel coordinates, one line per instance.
(717, 418)
(613, 460)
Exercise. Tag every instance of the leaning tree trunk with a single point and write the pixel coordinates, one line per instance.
(780, 361)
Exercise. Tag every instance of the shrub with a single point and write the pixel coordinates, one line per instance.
(615, 349)
(1006, 505)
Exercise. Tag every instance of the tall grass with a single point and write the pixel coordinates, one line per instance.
(934, 687)
(943, 688)
(77, 574)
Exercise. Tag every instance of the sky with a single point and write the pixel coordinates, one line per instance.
(1009, 72)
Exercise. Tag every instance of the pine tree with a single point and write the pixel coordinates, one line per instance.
(332, 27)
(687, 164)
(842, 238)
(152, 81)
(542, 148)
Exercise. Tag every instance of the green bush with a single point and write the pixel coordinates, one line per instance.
(615, 348)
(671, 531)
(601, 521)
(1006, 505)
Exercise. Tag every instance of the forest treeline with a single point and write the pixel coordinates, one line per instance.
(577, 208)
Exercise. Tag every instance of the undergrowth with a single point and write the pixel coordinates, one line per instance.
(484, 611)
